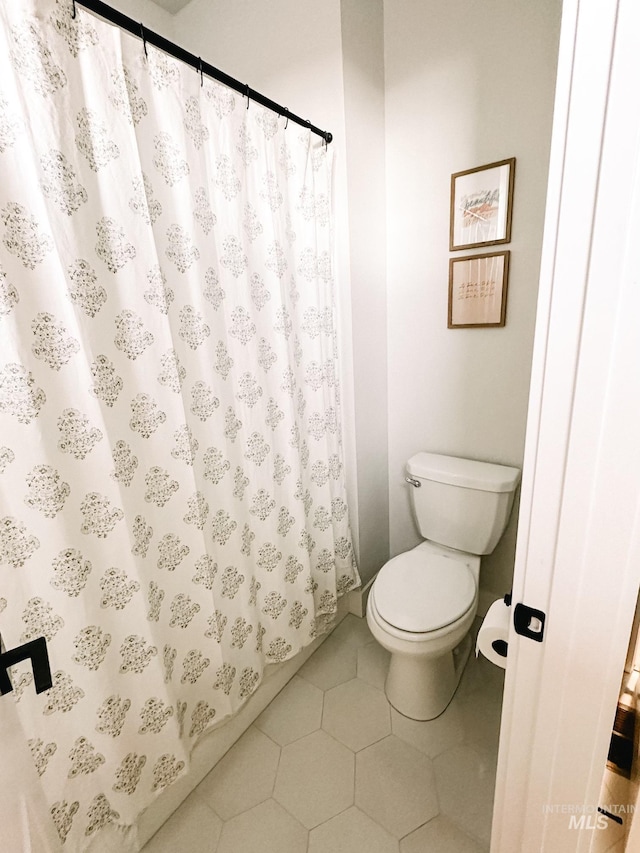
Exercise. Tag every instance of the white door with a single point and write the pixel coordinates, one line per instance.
(578, 553)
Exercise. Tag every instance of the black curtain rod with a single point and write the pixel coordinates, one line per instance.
(148, 36)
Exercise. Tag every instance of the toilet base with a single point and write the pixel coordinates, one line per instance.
(421, 688)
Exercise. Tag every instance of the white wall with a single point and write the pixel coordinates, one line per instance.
(363, 69)
(148, 13)
(467, 83)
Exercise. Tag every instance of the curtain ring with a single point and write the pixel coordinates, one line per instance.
(144, 38)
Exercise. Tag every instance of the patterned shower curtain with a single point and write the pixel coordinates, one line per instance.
(173, 513)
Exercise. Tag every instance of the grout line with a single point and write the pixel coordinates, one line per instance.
(426, 823)
(482, 751)
(275, 775)
(355, 778)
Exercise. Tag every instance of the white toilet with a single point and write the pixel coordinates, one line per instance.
(423, 602)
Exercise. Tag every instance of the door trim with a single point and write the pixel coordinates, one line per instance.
(578, 551)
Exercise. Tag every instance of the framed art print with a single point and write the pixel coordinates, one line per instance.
(478, 290)
(481, 203)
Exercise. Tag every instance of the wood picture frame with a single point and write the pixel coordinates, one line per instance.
(481, 205)
(478, 290)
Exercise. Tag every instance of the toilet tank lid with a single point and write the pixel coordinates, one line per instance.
(468, 473)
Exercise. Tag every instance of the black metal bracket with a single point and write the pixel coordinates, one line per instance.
(36, 652)
(529, 622)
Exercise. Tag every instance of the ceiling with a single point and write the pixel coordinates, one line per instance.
(172, 6)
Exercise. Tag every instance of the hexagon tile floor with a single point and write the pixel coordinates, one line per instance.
(331, 767)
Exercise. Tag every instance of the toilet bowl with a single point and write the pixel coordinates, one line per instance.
(422, 603)
(420, 609)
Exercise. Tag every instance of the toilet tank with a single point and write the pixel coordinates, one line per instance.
(461, 503)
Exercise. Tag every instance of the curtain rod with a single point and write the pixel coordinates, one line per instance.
(148, 36)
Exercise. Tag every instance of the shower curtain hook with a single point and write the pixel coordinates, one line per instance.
(144, 38)
(286, 124)
(73, 11)
(201, 72)
(247, 94)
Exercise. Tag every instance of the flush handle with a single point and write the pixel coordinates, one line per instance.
(413, 482)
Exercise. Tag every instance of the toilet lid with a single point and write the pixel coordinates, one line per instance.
(421, 591)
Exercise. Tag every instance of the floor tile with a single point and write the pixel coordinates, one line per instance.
(430, 736)
(333, 663)
(293, 778)
(351, 832)
(480, 674)
(373, 664)
(244, 777)
(466, 783)
(480, 712)
(439, 836)
(295, 712)
(266, 828)
(193, 827)
(396, 786)
(315, 778)
(356, 714)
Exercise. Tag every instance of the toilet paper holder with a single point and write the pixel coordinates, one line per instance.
(529, 622)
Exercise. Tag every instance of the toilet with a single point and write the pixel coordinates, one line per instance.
(423, 602)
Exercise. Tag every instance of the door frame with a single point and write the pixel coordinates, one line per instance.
(578, 550)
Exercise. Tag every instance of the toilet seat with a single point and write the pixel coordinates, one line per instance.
(421, 592)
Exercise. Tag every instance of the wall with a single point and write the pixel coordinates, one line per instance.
(467, 83)
(148, 13)
(363, 69)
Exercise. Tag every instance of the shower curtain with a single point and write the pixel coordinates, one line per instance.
(173, 513)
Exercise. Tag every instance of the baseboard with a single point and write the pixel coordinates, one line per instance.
(357, 599)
